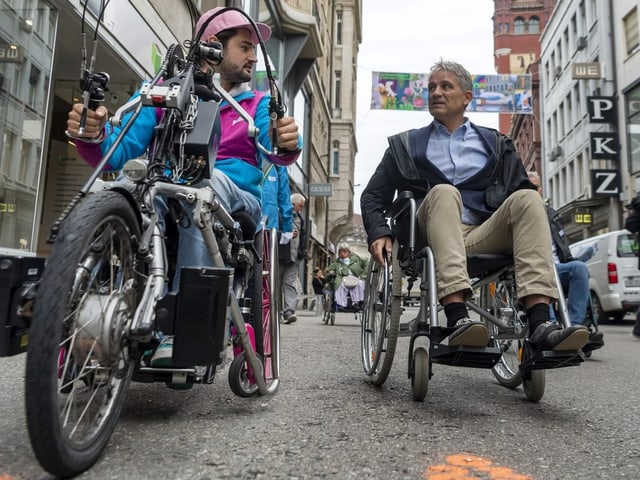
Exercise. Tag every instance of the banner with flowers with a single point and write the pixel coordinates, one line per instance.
(507, 93)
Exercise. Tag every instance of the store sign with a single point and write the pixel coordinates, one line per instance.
(10, 53)
(582, 216)
(606, 183)
(586, 71)
(603, 146)
(602, 110)
(320, 189)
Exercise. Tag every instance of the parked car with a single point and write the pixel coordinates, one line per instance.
(614, 275)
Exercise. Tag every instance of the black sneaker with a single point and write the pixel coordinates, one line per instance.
(550, 336)
(469, 333)
(596, 337)
(290, 318)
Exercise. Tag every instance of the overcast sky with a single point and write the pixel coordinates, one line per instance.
(409, 36)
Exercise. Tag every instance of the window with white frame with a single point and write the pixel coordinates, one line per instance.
(518, 26)
(631, 39)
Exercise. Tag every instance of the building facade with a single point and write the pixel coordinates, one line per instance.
(313, 49)
(584, 172)
(517, 25)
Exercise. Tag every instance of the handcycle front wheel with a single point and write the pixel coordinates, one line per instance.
(79, 361)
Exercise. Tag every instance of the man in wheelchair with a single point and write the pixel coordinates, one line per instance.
(477, 199)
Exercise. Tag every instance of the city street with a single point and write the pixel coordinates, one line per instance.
(327, 422)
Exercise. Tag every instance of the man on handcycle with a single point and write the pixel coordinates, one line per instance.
(477, 199)
(237, 174)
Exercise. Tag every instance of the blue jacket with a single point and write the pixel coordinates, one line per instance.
(276, 199)
(237, 156)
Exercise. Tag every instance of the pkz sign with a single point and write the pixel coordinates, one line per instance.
(10, 53)
(604, 146)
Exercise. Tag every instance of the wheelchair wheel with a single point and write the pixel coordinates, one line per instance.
(420, 378)
(80, 361)
(329, 310)
(241, 378)
(500, 300)
(265, 308)
(533, 383)
(381, 318)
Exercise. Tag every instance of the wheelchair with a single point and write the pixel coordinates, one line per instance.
(330, 307)
(509, 354)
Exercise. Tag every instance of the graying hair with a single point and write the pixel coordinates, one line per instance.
(462, 74)
(298, 198)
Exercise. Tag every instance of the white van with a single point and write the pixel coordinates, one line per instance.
(614, 274)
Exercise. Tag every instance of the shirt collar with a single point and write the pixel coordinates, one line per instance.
(465, 128)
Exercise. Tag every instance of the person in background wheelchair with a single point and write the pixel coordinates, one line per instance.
(573, 272)
(477, 198)
(346, 273)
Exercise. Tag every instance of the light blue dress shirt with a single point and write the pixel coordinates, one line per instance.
(459, 156)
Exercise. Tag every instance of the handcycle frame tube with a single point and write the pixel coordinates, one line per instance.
(206, 204)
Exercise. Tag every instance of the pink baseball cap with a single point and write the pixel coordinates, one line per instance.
(230, 19)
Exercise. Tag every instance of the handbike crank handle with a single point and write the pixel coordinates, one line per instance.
(93, 87)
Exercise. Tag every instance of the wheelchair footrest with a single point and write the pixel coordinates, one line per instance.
(548, 359)
(176, 376)
(465, 356)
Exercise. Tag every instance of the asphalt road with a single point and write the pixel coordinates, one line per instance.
(326, 422)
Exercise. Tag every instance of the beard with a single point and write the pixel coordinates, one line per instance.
(233, 73)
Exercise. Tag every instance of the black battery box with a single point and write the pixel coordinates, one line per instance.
(197, 315)
(18, 279)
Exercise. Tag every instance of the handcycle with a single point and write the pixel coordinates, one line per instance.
(103, 301)
(330, 307)
(509, 354)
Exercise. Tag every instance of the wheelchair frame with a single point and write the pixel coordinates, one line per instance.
(509, 354)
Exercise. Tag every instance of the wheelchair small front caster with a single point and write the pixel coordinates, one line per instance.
(420, 377)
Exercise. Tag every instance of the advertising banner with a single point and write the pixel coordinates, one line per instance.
(507, 93)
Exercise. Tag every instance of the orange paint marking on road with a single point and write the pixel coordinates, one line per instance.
(6, 477)
(470, 467)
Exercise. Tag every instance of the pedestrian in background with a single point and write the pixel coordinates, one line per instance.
(276, 201)
(291, 253)
(318, 282)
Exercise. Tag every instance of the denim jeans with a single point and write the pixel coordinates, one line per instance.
(191, 248)
(574, 277)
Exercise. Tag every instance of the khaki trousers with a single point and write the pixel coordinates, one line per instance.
(520, 226)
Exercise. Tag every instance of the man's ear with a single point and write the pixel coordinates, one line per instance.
(468, 95)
